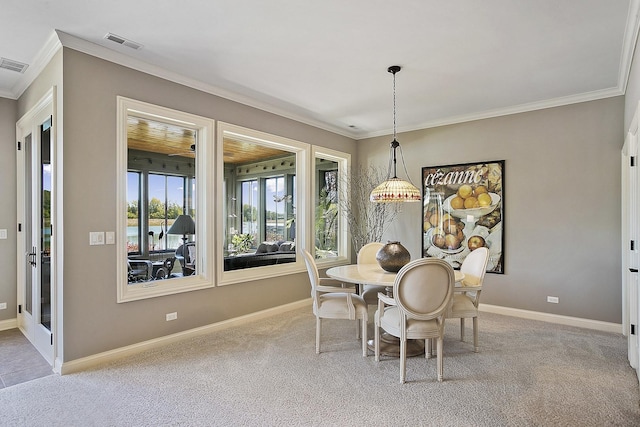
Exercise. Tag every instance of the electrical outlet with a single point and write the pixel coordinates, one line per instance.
(554, 300)
(3, 305)
(172, 316)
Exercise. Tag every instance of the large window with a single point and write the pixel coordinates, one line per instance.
(164, 246)
(166, 197)
(262, 213)
(280, 196)
(249, 208)
(330, 183)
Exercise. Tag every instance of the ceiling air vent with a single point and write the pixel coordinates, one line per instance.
(121, 40)
(10, 64)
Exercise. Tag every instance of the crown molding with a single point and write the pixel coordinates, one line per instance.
(516, 109)
(42, 58)
(629, 43)
(59, 38)
(110, 55)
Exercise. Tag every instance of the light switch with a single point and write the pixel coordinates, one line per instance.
(96, 238)
(111, 237)
(3, 233)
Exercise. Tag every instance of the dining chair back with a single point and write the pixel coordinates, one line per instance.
(367, 255)
(467, 297)
(332, 301)
(422, 293)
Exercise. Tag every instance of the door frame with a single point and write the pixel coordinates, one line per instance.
(29, 124)
(630, 221)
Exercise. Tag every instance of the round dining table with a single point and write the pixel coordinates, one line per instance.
(373, 274)
(370, 274)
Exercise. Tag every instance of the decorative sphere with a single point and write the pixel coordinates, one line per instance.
(393, 256)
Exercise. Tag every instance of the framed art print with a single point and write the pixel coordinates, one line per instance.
(463, 209)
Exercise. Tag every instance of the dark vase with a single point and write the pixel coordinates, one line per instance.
(393, 256)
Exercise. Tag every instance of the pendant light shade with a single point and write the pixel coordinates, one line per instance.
(395, 189)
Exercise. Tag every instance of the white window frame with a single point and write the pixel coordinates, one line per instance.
(204, 127)
(344, 166)
(301, 202)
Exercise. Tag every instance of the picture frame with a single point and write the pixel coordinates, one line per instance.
(463, 208)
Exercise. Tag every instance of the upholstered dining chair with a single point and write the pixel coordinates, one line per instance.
(367, 255)
(422, 294)
(467, 297)
(332, 301)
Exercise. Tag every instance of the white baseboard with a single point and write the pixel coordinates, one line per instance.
(8, 324)
(553, 318)
(111, 355)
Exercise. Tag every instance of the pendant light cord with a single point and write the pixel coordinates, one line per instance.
(394, 105)
(395, 144)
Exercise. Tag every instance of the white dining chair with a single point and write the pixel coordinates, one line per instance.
(422, 293)
(367, 255)
(467, 297)
(332, 301)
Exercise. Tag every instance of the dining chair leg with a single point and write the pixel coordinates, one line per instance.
(318, 328)
(376, 343)
(428, 348)
(358, 322)
(403, 360)
(440, 364)
(364, 337)
(475, 334)
(462, 329)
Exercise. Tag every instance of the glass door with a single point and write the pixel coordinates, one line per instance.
(35, 190)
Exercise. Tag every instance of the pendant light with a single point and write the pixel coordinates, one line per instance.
(395, 189)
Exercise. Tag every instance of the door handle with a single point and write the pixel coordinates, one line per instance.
(633, 270)
(32, 257)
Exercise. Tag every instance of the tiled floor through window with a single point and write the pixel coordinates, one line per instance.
(19, 360)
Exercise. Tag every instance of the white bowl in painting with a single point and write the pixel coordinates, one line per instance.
(474, 212)
(428, 242)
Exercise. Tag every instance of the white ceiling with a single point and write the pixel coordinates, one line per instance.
(325, 62)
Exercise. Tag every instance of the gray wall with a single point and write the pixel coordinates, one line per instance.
(562, 202)
(93, 321)
(8, 118)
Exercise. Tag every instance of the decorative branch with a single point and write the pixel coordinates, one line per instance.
(366, 220)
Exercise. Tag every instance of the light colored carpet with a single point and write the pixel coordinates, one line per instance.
(527, 373)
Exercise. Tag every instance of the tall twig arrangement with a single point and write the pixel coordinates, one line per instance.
(367, 221)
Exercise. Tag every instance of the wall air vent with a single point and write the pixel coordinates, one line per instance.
(10, 64)
(121, 40)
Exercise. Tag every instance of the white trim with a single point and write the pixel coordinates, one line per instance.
(118, 353)
(301, 202)
(110, 55)
(38, 335)
(553, 318)
(107, 54)
(205, 134)
(111, 355)
(629, 44)
(8, 324)
(499, 112)
(344, 167)
(42, 58)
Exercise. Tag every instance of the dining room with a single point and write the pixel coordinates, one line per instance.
(553, 320)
